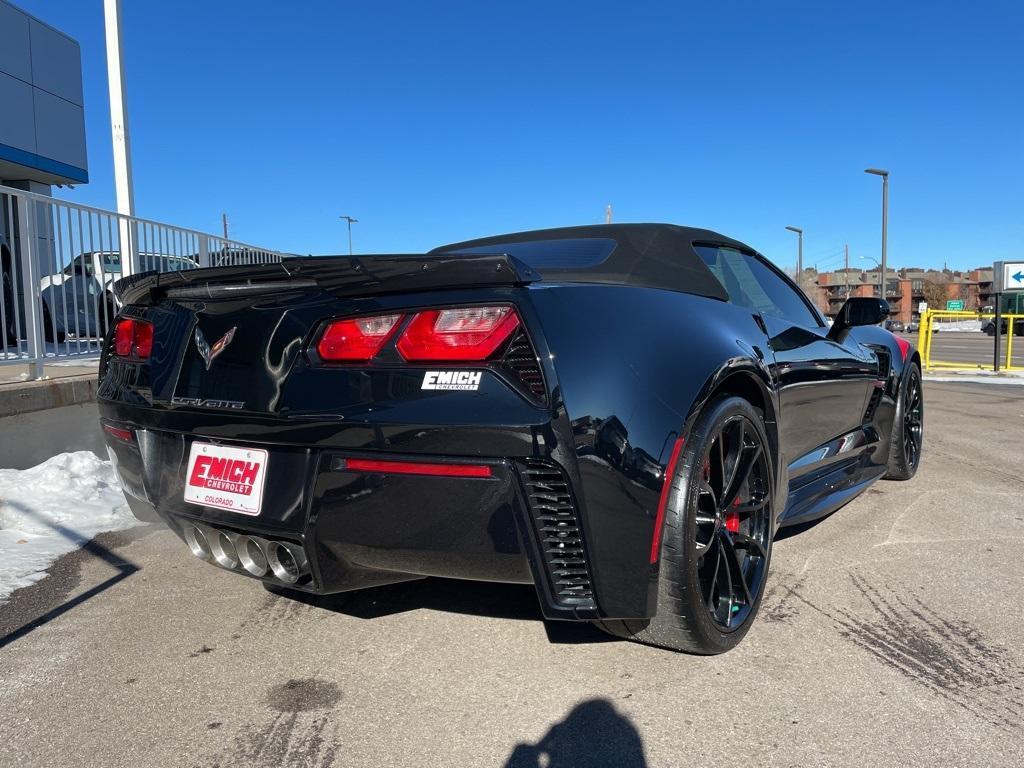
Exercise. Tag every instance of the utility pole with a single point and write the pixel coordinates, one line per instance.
(608, 214)
(846, 269)
(350, 221)
(224, 221)
(119, 133)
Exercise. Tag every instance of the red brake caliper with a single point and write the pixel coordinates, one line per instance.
(732, 517)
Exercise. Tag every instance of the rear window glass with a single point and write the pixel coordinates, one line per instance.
(551, 254)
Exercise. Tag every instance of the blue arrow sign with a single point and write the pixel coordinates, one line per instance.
(1019, 277)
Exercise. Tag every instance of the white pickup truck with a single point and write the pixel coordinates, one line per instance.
(79, 300)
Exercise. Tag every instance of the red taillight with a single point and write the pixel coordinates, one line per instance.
(133, 338)
(465, 334)
(357, 339)
(391, 467)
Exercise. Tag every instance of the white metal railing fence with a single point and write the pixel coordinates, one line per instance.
(60, 260)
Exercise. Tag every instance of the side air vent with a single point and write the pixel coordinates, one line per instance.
(558, 534)
(521, 360)
(884, 365)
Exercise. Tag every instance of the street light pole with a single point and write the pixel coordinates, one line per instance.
(799, 253)
(350, 221)
(885, 220)
(123, 189)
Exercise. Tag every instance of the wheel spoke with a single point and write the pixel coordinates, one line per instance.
(742, 541)
(714, 576)
(744, 464)
(728, 581)
(736, 568)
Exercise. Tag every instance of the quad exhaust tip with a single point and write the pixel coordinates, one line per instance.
(281, 561)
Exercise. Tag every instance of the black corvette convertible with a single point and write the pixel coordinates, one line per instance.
(620, 415)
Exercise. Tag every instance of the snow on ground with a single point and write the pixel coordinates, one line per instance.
(52, 509)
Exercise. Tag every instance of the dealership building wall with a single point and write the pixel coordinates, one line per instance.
(42, 119)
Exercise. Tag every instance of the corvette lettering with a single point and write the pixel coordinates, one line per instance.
(452, 380)
(206, 402)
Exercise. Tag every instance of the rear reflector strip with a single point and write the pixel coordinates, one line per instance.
(120, 433)
(387, 466)
(666, 487)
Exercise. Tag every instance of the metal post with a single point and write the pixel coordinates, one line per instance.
(799, 253)
(204, 251)
(998, 323)
(30, 289)
(885, 233)
(885, 221)
(121, 140)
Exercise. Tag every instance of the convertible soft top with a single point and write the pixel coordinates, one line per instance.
(645, 255)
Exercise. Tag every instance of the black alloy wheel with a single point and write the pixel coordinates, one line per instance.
(907, 437)
(733, 523)
(716, 542)
(913, 419)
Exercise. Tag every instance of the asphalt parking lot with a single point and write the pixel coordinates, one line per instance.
(890, 635)
(971, 347)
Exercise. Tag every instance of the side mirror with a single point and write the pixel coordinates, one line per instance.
(859, 310)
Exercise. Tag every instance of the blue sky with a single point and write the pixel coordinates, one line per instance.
(435, 122)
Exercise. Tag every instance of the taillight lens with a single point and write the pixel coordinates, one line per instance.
(357, 339)
(133, 338)
(465, 334)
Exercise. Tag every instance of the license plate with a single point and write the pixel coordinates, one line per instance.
(226, 477)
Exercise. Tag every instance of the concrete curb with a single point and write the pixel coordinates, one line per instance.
(28, 396)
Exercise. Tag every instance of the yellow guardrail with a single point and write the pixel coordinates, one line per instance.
(935, 318)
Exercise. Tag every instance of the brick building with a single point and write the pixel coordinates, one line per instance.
(905, 288)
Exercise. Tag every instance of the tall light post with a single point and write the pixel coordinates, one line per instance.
(123, 188)
(885, 219)
(350, 221)
(799, 253)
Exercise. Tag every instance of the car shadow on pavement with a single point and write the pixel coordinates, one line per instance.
(44, 598)
(593, 734)
(472, 598)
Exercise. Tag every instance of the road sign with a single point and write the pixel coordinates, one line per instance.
(955, 305)
(1010, 275)
(922, 306)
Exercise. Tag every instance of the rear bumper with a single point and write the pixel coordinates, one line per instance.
(357, 529)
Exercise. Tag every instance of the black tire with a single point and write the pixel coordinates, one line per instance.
(700, 536)
(10, 310)
(907, 438)
(48, 332)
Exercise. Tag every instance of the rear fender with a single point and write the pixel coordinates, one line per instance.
(631, 369)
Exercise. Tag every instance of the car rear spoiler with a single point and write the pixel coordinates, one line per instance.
(342, 276)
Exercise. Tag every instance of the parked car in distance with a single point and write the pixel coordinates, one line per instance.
(79, 299)
(8, 310)
(913, 326)
(895, 326)
(989, 327)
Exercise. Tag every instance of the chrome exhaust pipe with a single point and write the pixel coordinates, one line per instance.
(287, 561)
(222, 545)
(198, 543)
(252, 554)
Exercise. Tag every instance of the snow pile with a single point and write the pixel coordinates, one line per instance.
(957, 325)
(53, 509)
